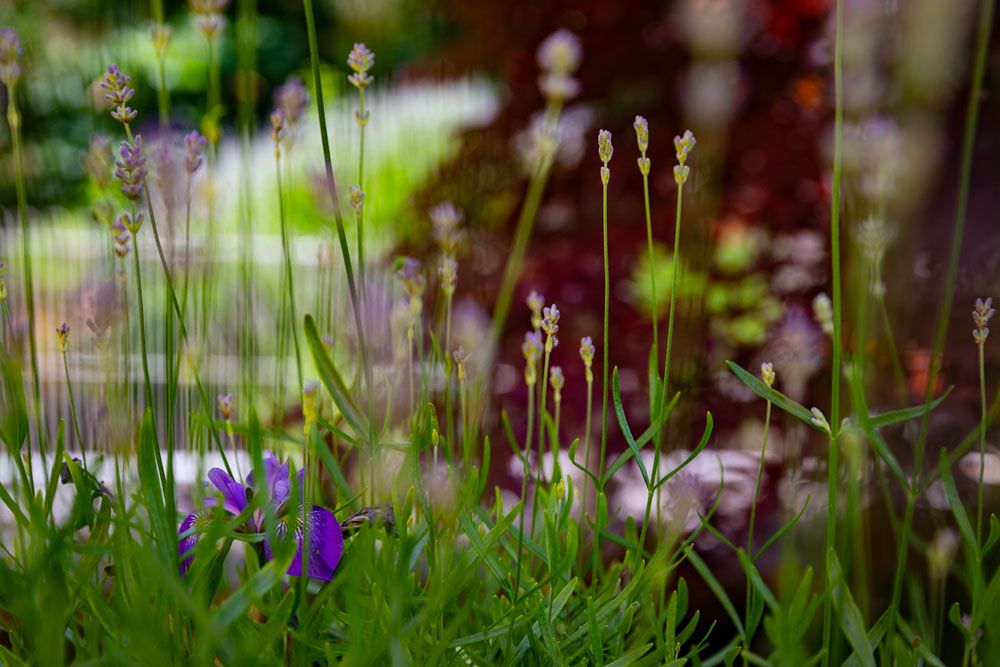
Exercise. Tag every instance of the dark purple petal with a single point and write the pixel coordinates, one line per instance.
(278, 484)
(234, 494)
(185, 546)
(326, 544)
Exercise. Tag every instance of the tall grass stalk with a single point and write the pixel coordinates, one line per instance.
(985, 27)
(835, 370)
(289, 274)
(331, 187)
(605, 151)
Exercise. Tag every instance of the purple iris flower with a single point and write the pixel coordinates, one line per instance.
(326, 542)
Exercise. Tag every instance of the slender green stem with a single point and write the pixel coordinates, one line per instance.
(586, 450)
(147, 384)
(604, 378)
(14, 120)
(72, 412)
(665, 382)
(832, 463)
(362, 122)
(526, 470)
(985, 25)
(449, 416)
(750, 528)
(655, 351)
(982, 444)
(539, 470)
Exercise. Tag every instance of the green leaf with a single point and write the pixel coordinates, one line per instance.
(332, 380)
(851, 620)
(906, 414)
(875, 635)
(149, 479)
(868, 426)
(705, 436)
(757, 386)
(955, 503)
(623, 423)
(14, 413)
(991, 541)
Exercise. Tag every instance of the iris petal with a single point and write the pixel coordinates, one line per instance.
(234, 494)
(326, 544)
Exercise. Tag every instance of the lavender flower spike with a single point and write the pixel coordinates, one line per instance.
(10, 55)
(326, 542)
(118, 94)
(131, 168)
(194, 145)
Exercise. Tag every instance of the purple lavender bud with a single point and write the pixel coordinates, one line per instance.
(641, 126)
(10, 53)
(118, 94)
(531, 348)
(360, 59)
(194, 144)
(131, 168)
(62, 335)
(292, 98)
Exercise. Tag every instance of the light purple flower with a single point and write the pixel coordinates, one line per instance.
(325, 539)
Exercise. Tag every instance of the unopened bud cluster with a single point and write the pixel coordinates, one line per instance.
(120, 234)
(641, 126)
(981, 316)
(446, 219)
(448, 272)
(550, 325)
(194, 146)
(62, 336)
(411, 275)
(683, 145)
(531, 348)
(558, 381)
(767, 373)
(461, 358)
(225, 402)
(587, 355)
(605, 150)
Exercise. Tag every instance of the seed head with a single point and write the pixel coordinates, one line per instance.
(641, 126)
(131, 168)
(981, 316)
(356, 197)
(10, 56)
(361, 60)
(62, 336)
(560, 53)
(292, 98)
(767, 373)
(118, 93)
(448, 273)
(194, 145)
(683, 145)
